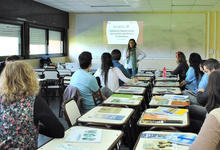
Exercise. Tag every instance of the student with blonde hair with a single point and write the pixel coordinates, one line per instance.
(21, 111)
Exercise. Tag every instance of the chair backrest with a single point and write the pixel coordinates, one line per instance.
(97, 97)
(71, 112)
(66, 80)
(51, 74)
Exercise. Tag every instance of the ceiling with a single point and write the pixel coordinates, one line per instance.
(93, 6)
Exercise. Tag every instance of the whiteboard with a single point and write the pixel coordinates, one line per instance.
(164, 34)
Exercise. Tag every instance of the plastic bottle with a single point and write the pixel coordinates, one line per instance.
(157, 73)
(164, 72)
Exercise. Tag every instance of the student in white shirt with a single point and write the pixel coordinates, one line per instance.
(109, 75)
(132, 56)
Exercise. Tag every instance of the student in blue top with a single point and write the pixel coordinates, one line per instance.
(209, 66)
(116, 56)
(85, 82)
(193, 75)
(204, 80)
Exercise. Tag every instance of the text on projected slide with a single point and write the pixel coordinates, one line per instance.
(119, 32)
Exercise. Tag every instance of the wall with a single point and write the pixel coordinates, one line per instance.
(213, 35)
(33, 12)
(28, 12)
(36, 62)
(170, 32)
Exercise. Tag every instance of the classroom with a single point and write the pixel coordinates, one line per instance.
(110, 74)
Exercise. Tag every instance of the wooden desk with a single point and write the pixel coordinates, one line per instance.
(182, 120)
(167, 84)
(109, 139)
(166, 90)
(155, 136)
(167, 79)
(138, 84)
(64, 72)
(146, 74)
(109, 116)
(144, 78)
(148, 70)
(124, 100)
(170, 101)
(41, 80)
(130, 90)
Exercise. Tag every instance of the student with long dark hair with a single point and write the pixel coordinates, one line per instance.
(110, 75)
(182, 67)
(193, 74)
(209, 135)
(133, 56)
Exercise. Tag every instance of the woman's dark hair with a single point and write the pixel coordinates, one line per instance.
(194, 61)
(181, 57)
(106, 65)
(213, 91)
(85, 59)
(202, 63)
(134, 43)
(116, 54)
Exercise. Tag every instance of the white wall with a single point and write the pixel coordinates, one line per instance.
(164, 34)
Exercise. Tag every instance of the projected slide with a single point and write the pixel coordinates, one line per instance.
(119, 32)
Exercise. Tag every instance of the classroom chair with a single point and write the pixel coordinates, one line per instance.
(71, 112)
(53, 81)
(69, 93)
(97, 97)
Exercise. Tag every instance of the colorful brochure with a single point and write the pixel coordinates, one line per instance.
(84, 135)
(111, 110)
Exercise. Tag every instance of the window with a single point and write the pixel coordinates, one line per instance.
(55, 42)
(10, 39)
(37, 41)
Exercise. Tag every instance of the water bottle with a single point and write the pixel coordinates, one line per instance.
(164, 72)
(157, 73)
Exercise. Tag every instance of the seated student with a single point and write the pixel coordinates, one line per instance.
(116, 56)
(209, 66)
(182, 67)
(85, 82)
(198, 112)
(204, 80)
(8, 59)
(110, 75)
(193, 74)
(22, 115)
(209, 135)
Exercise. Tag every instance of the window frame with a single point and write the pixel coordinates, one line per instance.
(47, 29)
(25, 43)
(18, 23)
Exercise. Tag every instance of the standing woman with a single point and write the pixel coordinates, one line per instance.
(182, 67)
(133, 56)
